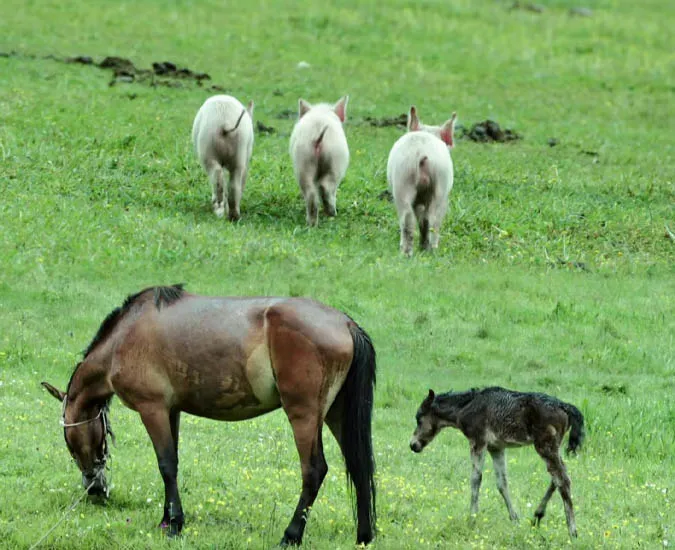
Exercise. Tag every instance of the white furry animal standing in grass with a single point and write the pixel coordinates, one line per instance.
(222, 135)
(320, 154)
(420, 174)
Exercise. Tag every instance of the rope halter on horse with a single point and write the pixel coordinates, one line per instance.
(99, 463)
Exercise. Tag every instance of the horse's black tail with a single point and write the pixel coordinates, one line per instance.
(356, 440)
(577, 433)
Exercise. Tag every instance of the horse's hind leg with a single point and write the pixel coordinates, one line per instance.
(499, 461)
(299, 376)
(161, 425)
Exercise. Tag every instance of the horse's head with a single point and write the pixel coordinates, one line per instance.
(428, 424)
(85, 429)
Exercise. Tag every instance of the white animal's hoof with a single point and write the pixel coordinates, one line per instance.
(219, 211)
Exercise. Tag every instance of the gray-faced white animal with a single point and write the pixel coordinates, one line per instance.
(222, 135)
(495, 418)
(320, 154)
(420, 174)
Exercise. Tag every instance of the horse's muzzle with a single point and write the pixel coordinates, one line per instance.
(96, 485)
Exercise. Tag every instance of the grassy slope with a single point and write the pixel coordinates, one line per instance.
(102, 196)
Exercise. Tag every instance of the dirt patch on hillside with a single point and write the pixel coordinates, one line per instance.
(489, 131)
(162, 73)
(400, 121)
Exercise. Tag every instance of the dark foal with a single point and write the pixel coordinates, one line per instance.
(495, 418)
(165, 352)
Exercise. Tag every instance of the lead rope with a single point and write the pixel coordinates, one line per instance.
(65, 514)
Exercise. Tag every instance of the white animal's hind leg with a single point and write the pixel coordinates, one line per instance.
(499, 461)
(406, 221)
(422, 215)
(328, 190)
(216, 177)
(437, 210)
(235, 188)
(311, 199)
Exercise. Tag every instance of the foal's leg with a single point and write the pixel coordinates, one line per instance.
(477, 461)
(158, 423)
(540, 512)
(556, 467)
(499, 461)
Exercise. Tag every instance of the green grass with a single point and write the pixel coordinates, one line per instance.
(102, 195)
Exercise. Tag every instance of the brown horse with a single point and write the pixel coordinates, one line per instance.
(165, 351)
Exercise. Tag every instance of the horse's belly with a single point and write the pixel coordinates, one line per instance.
(233, 392)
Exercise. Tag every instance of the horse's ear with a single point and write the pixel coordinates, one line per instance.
(58, 394)
(249, 108)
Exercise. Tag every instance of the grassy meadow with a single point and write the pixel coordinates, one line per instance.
(555, 272)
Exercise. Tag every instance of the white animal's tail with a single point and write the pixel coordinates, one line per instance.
(226, 131)
(423, 176)
(318, 142)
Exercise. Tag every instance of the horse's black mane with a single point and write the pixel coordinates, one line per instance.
(163, 295)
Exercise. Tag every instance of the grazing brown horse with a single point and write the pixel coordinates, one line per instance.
(165, 351)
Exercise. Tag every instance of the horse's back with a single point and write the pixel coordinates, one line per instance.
(220, 357)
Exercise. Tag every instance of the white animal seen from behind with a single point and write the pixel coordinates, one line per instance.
(222, 135)
(420, 174)
(320, 154)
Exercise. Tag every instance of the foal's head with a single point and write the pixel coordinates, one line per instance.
(428, 424)
(85, 432)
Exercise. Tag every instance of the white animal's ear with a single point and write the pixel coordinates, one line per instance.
(448, 131)
(58, 394)
(249, 108)
(413, 121)
(303, 107)
(340, 108)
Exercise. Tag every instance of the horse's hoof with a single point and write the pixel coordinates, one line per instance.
(286, 542)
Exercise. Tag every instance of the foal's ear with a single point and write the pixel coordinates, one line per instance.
(249, 108)
(426, 404)
(58, 394)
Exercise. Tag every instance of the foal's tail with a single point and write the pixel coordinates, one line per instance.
(577, 433)
(357, 444)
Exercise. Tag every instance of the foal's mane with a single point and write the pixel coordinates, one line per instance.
(163, 295)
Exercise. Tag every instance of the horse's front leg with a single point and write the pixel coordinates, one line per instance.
(161, 425)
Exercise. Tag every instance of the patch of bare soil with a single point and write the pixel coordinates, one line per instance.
(162, 73)
(400, 121)
(489, 131)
